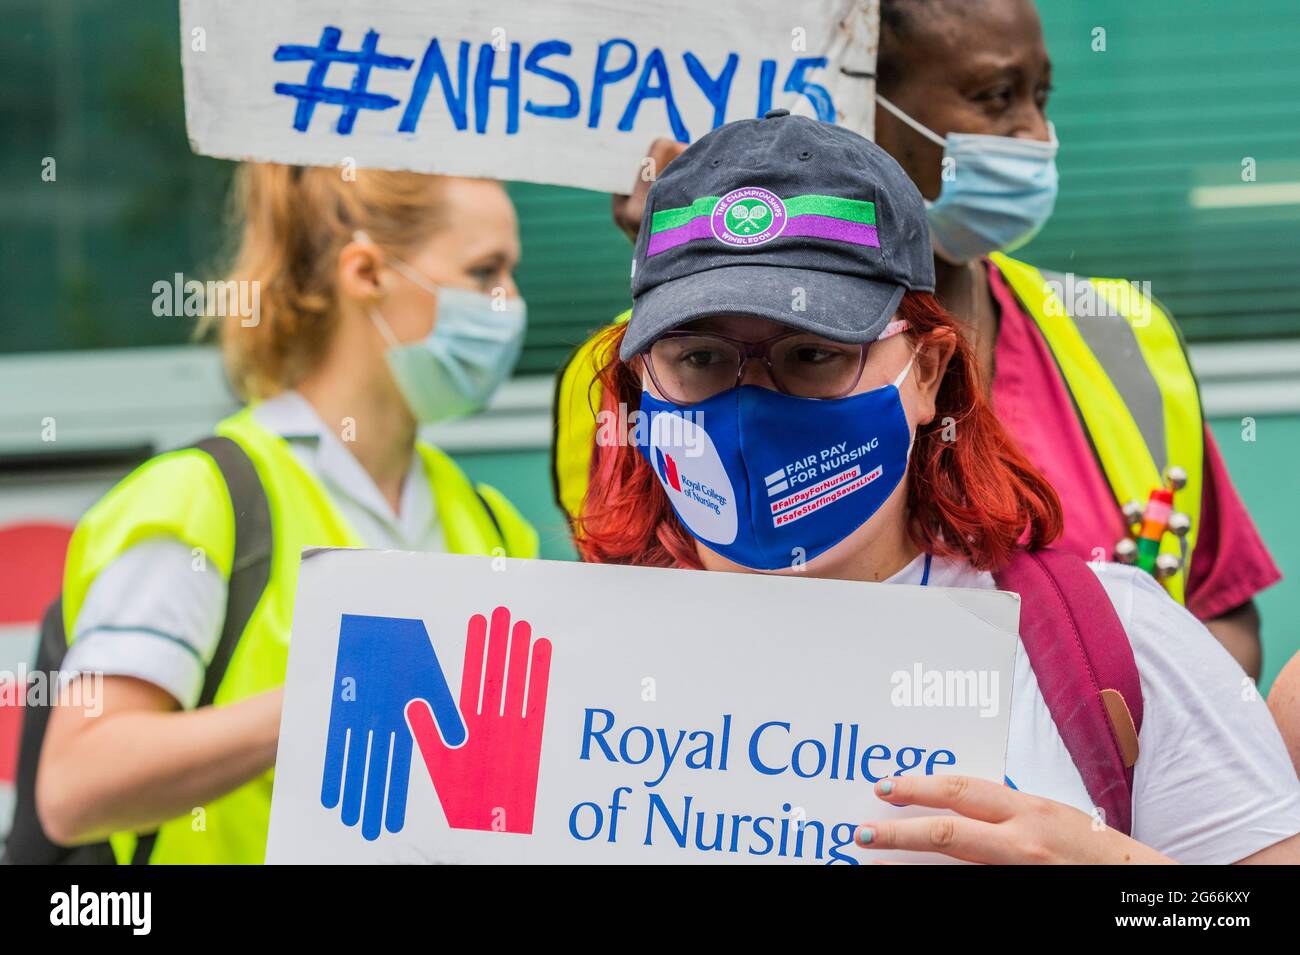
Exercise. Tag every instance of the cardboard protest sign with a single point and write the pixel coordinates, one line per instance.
(567, 92)
(477, 709)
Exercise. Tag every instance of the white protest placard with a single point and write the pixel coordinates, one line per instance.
(474, 709)
(567, 92)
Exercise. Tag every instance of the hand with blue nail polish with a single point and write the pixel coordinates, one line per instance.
(986, 822)
(383, 664)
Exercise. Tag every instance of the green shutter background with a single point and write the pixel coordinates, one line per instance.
(575, 271)
(1154, 129)
(1160, 128)
(1154, 132)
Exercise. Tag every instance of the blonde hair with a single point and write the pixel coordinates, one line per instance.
(292, 222)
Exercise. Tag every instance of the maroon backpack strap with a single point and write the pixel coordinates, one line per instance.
(1085, 669)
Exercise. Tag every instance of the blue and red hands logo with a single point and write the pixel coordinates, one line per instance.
(503, 702)
(668, 470)
(390, 691)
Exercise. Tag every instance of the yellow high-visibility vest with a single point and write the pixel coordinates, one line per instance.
(182, 495)
(1120, 354)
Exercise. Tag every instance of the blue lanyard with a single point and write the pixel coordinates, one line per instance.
(925, 575)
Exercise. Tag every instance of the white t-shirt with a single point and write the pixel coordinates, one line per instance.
(152, 614)
(1213, 782)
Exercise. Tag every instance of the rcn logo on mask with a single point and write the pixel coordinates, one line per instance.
(690, 470)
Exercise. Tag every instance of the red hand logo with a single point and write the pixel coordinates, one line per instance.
(490, 781)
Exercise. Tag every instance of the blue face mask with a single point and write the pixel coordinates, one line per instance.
(769, 480)
(457, 367)
(1001, 192)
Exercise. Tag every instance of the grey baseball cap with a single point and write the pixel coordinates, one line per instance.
(785, 218)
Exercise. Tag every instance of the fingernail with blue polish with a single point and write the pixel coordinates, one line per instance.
(865, 835)
(886, 787)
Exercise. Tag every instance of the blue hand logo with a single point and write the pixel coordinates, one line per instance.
(383, 663)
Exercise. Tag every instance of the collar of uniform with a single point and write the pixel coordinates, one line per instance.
(293, 418)
(910, 574)
(944, 572)
(290, 416)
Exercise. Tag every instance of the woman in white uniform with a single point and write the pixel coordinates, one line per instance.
(381, 303)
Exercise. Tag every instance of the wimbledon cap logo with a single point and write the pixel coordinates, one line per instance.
(748, 216)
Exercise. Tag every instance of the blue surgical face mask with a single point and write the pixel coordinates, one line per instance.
(769, 480)
(1002, 190)
(455, 369)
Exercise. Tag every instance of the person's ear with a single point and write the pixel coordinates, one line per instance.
(360, 274)
(931, 364)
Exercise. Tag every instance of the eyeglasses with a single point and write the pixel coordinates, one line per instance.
(689, 367)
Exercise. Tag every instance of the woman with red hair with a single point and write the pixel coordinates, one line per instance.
(800, 403)
(969, 500)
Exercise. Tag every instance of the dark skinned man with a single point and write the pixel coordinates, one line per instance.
(1089, 374)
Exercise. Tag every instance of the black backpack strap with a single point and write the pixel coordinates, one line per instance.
(492, 515)
(250, 570)
(27, 843)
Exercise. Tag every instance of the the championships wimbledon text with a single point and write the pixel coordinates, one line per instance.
(771, 750)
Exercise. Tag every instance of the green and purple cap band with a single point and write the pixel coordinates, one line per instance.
(753, 216)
